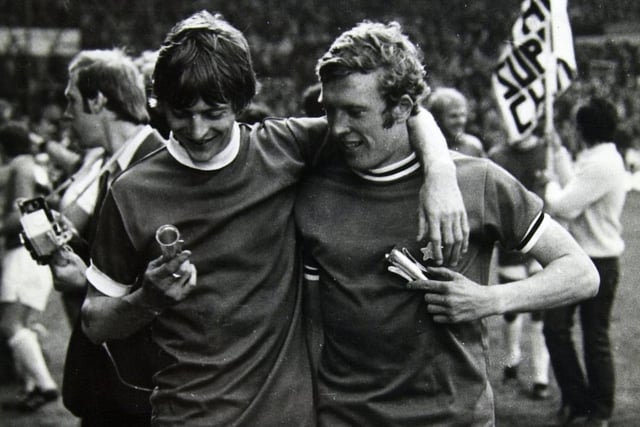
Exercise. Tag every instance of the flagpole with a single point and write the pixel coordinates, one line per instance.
(550, 86)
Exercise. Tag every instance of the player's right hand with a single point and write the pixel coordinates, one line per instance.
(167, 282)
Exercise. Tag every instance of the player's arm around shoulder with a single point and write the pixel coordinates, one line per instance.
(442, 214)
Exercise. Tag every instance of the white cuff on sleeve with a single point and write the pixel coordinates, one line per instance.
(105, 284)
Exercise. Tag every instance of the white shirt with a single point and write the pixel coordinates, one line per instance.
(85, 187)
(592, 198)
(85, 178)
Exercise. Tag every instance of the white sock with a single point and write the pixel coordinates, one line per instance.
(539, 354)
(28, 353)
(28, 383)
(512, 336)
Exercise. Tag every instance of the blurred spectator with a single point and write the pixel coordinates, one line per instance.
(6, 111)
(62, 158)
(590, 196)
(25, 286)
(451, 110)
(47, 125)
(492, 128)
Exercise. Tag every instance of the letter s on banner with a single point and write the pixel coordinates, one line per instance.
(519, 78)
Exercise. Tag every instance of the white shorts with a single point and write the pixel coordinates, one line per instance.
(24, 280)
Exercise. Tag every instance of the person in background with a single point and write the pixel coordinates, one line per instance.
(106, 112)
(589, 195)
(25, 285)
(397, 354)
(7, 371)
(225, 305)
(47, 124)
(6, 111)
(451, 110)
(48, 135)
(526, 161)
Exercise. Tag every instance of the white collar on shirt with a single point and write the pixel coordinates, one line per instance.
(130, 147)
(219, 161)
(392, 172)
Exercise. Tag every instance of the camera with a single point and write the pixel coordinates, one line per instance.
(41, 234)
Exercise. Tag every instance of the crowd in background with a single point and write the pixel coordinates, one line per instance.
(616, 77)
(461, 42)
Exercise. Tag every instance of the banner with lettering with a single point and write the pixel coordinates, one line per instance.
(537, 63)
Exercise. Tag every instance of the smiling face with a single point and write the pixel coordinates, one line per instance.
(203, 130)
(356, 113)
(454, 119)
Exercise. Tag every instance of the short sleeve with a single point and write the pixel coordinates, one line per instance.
(510, 210)
(299, 139)
(113, 267)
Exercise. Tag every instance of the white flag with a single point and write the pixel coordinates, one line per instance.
(541, 39)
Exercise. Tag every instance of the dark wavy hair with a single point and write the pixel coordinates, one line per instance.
(597, 121)
(14, 139)
(204, 57)
(370, 46)
(114, 74)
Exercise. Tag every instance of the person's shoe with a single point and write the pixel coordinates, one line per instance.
(569, 417)
(510, 373)
(539, 391)
(32, 400)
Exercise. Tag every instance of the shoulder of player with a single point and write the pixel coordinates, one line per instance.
(135, 173)
(275, 128)
(475, 169)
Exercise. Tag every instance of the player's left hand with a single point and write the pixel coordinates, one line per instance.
(452, 298)
(442, 216)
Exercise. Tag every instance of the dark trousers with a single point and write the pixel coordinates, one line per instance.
(593, 395)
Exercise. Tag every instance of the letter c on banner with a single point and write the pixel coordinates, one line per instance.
(513, 107)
